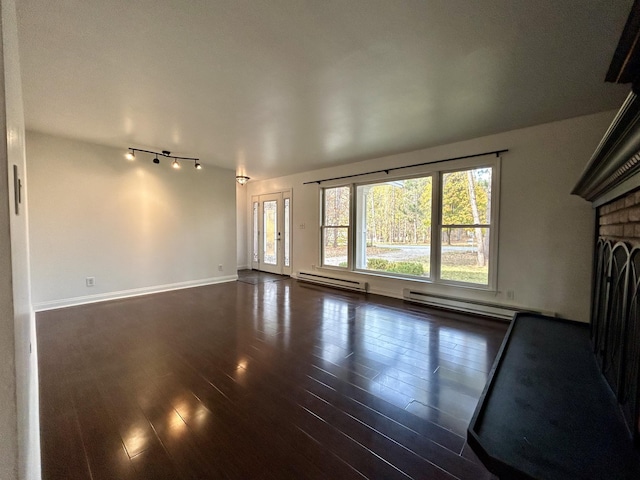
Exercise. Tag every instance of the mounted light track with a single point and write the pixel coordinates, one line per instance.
(131, 155)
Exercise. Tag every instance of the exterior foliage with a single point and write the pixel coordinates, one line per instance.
(395, 222)
(399, 212)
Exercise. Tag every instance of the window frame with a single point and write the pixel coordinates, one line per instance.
(324, 227)
(436, 172)
(491, 284)
(354, 254)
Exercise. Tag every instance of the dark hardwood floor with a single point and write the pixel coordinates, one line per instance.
(267, 380)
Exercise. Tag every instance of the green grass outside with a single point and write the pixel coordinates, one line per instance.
(463, 273)
(457, 273)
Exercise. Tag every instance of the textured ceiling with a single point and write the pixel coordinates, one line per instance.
(276, 87)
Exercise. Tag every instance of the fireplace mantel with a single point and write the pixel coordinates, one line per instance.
(612, 170)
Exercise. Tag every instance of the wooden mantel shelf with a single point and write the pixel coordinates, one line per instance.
(617, 158)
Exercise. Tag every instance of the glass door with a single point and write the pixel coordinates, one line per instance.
(271, 227)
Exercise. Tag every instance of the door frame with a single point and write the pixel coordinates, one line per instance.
(283, 262)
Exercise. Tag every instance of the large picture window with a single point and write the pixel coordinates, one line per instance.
(394, 227)
(437, 227)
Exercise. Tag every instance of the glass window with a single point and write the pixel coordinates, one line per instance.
(393, 232)
(287, 247)
(466, 226)
(335, 226)
(255, 233)
(437, 227)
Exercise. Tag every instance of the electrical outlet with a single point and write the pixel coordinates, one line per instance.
(302, 226)
(91, 281)
(511, 294)
(220, 267)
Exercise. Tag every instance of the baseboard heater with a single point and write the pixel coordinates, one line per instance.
(467, 306)
(330, 281)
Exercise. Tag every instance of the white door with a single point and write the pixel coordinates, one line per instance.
(271, 233)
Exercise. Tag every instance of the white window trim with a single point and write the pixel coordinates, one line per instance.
(436, 171)
(323, 227)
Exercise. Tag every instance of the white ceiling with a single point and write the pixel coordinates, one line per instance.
(281, 86)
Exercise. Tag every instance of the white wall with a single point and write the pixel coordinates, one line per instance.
(135, 226)
(19, 417)
(241, 219)
(8, 407)
(545, 237)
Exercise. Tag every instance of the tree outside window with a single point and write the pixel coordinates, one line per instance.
(397, 232)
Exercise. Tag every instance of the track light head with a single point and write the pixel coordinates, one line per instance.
(156, 160)
(198, 166)
(175, 164)
(130, 155)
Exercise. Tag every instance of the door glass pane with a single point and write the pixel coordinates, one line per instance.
(286, 232)
(270, 255)
(255, 233)
(465, 255)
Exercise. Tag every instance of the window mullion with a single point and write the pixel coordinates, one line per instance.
(323, 199)
(351, 252)
(436, 221)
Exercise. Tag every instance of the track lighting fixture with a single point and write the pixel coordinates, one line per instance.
(131, 155)
(242, 179)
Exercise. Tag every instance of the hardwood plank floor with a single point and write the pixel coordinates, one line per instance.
(260, 379)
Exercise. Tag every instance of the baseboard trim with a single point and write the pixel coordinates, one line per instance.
(385, 292)
(134, 292)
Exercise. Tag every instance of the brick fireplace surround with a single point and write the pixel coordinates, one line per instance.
(620, 220)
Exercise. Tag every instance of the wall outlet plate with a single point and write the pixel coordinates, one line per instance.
(91, 281)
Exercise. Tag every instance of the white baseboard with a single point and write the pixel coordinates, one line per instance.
(385, 293)
(134, 292)
(244, 267)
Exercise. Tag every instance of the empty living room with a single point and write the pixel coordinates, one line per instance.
(319, 239)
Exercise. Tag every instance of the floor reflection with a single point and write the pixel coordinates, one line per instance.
(259, 367)
(433, 370)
